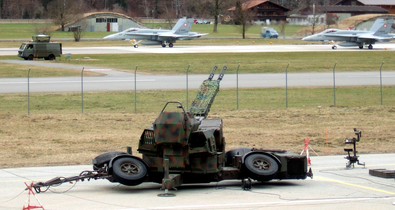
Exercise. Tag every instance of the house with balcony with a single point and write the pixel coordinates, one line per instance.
(264, 11)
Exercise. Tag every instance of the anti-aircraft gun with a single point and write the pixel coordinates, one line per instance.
(187, 147)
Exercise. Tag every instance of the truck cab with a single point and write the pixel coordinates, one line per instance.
(40, 47)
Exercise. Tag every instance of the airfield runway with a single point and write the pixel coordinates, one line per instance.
(207, 49)
(333, 187)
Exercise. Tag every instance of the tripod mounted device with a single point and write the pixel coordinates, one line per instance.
(353, 159)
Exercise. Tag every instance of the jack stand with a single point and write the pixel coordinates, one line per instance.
(169, 181)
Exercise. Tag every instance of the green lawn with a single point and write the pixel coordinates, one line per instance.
(26, 30)
(202, 63)
(147, 101)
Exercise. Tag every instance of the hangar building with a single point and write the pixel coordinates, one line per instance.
(104, 21)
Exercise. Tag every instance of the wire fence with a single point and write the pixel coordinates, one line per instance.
(231, 98)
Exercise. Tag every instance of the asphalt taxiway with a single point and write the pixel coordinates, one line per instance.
(332, 187)
(208, 49)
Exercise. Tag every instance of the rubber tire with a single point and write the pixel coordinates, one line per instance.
(30, 57)
(163, 45)
(360, 47)
(105, 158)
(255, 162)
(136, 46)
(123, 166)
(51, 57)
(171, 45)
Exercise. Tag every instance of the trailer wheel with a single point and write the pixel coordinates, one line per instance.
(129, 171)
(261, 165)
(105, 158)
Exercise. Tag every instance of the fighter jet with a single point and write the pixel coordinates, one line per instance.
(349, 38)
(158, 36)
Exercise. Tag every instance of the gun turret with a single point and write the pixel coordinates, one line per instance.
(200, 106)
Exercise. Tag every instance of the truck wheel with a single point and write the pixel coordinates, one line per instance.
(30, 57)
(261, 165)
(51, 57)
(129, 171)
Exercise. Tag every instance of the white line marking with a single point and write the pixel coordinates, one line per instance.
(95, 81)
(292, 202)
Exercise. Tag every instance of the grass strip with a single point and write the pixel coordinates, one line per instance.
(153, 101)
(265, 62)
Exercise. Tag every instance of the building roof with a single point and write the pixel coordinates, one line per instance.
(377, 2)
(345, 9)
(254, 3)
(373, 2)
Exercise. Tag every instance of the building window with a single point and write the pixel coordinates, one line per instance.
(112, 20)
(100, 20)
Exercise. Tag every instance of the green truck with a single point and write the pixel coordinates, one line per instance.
(40, 47)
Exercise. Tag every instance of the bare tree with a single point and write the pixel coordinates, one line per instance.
(242, 16)
(46, 28)
(63, 11)
(168, 14)
(281, 26)
(217, 7)
(147, 7)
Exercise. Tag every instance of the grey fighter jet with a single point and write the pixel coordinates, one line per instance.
(158, 36)
(349, 38)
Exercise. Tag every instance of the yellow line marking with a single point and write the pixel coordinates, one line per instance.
(354, 185)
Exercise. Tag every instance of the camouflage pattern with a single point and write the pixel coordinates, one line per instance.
(204, 98)
(186, 146)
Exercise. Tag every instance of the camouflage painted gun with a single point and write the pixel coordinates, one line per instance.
(187, 147)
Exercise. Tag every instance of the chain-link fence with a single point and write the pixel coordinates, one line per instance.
(348, 89)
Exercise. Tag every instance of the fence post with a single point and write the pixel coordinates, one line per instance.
(286, 86)
(381, 83)
(28, 92)
(334, 85)
(135, 92)
(187, 84)
(237, 86)
(82, 89)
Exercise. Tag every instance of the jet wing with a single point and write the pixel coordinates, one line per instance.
(376, 38)
(180, 36)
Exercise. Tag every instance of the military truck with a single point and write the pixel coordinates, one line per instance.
(187, 147)
(40, 47)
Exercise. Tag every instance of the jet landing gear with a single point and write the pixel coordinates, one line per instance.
(334, 47)
(370, 46)
(170, 45)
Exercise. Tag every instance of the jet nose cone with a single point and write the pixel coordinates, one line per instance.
(308, 38)
(110, 37)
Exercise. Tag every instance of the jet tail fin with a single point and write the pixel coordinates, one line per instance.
(377, 25)
(385, 27)
(183, 26)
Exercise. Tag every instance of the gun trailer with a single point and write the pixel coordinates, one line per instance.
(188, 147)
